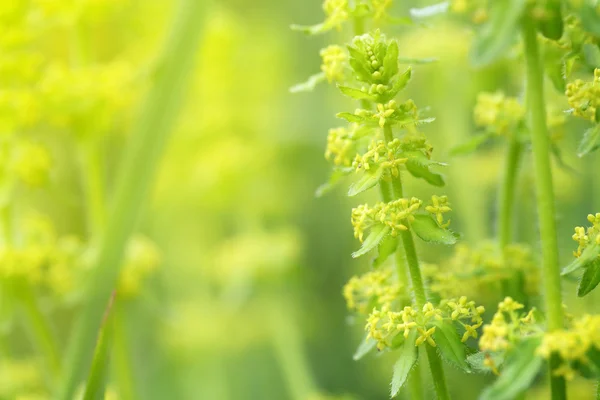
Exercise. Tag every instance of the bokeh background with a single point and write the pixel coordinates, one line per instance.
(236, 289)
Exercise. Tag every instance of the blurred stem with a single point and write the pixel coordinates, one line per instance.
(121, 356)
(288, 349)
(95, 388)
(418, 287)
(507, 192)
(545, 194)
(137, 172)
(40, 330)
(93, 179)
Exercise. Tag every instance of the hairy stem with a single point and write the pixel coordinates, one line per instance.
(544, 190)
(415, 386)
(412, 261)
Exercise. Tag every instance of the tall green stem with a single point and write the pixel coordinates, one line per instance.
(93, 178)
(412, 261)
(157, 117)
(543, 183)
(507, 192)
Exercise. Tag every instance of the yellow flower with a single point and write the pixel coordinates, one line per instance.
(425, 335)
(334, 63)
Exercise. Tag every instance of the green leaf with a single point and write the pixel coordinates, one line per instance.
(359, 64)
(418, 165)
(401, 82)
(334, 179)
(428, 230)
(471, 145)
(368, 180)
(476, 360)
(551, 26)
(521, 367)
(429, 11)
(590, 18)
(590, 278)
(408, 358)
(387, 247)
(591, 55)
(590, 141)
(554, 65)
(451, 348)
(364, 348)
(589, 256)
(356, 93)
(350, 117)
(310, 84)
(390, 62)
(310, 29)
(409, 60)
(378, 232)
(495, 38)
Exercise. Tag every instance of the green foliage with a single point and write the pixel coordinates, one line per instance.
(377, 234)
(364, 348)
(496, 37)
(450, 345)
(407, 358)
(590, 278)
(590, 141)
(427, 229)
(521, 367)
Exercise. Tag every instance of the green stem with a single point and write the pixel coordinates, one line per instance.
(40, 330)
(120, 357)
(156, 120)
(544, 191)
(288, 349)
(412, 260)
(507, 193)
(95, 388)
(437, 372)
(93, 178)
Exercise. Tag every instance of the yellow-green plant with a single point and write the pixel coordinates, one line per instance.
(379, 147)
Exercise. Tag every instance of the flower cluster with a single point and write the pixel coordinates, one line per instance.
(384, 325)
(396, 215)
(498, 113)
(387, 156)
(572, 345)
(335, 63)
(508, 326)
(584, 97)
(438, 207)
(28, 161)
(378, 289)
(476, 271)
(584, 237)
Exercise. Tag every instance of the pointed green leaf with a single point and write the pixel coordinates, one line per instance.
(359, 64)
(428, 230)
(451, 348)
(310, 29)
(499, 33)
(551, 26)
(409, 60)
(590, 18)
(591, 55)
(418, 165)
(590, 278)
(390, 62)
(334, 179)
(387, 247)
(589, 256)
(471, 145)
(378, 232)
(406, 361)
(590, 141)
(367, 181)
(477, 360)
(310, 84)
(401, 82)
(521, 367)
(350, 117)
(429, 11)
(355, 93)
(364, 348)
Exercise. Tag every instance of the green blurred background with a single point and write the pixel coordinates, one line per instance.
(246, 301)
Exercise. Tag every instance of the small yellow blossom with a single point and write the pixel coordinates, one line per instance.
(498, 113)
(395, 215)
(438, 207)
(334, 63)
(584, 97)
